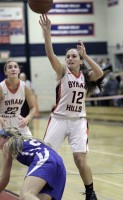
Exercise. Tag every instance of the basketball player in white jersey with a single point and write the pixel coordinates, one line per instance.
(68, 118)
(13, 93)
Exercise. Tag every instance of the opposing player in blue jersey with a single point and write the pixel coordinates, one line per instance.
(46, 175)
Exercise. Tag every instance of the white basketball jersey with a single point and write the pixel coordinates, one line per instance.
(70, 95)
(11, 103)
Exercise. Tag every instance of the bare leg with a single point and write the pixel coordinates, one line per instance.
(84, 169)
(44, 197)
(86, 175)
(31, 188)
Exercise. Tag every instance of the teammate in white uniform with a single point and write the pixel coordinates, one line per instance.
(68, 118)
(13, 92)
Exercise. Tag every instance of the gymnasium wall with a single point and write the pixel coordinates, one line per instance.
(40, 66)
(115, 34)
(107, 33)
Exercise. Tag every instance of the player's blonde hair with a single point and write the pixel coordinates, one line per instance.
(15, 141)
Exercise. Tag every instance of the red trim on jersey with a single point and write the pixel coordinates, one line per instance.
(75, 74)
(59, 96)
(47, 127)
(87, 132)
(12, 90)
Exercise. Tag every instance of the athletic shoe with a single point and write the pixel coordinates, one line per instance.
(91, 196)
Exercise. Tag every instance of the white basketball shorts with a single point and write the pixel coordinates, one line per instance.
(74, 129)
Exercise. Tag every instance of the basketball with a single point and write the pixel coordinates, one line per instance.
(40, 6)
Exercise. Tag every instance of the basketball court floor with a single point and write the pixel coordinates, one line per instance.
(105, 159)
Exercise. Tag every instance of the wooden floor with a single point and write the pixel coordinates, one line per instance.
(105, 159)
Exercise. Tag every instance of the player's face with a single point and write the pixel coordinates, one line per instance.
(73, 60)
(12, 70)
(2, 141)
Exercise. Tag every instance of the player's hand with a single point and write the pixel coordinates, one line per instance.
(81, 49)
(44, 22)
(22, 122)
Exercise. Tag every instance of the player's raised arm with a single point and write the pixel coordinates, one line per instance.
(45, 23)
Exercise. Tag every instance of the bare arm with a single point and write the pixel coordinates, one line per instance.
(1, 92)
(7, 164)
(56, 64)
(31, 103)
(2, 123)
(96, 71)
(32, 106)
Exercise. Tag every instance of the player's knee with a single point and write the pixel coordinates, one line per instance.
(25, 196)
(22, 197)
(79, 159)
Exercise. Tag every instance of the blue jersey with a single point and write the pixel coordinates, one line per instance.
(44, 163)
